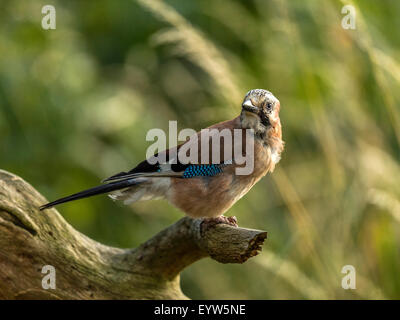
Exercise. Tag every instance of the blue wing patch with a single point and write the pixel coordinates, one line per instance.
(202, 170)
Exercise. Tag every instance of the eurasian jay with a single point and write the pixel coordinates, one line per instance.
(204, 189)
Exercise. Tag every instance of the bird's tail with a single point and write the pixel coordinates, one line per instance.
(106, 188)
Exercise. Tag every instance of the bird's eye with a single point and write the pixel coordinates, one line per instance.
(269, 106)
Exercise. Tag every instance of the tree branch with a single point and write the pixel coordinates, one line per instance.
(86, 269)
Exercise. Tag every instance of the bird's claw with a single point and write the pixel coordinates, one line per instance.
(208, 222)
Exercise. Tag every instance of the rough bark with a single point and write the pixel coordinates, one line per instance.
(86, 269)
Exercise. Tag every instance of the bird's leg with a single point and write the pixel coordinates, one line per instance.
(208, 222)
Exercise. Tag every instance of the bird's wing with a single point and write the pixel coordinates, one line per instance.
(172, 167)
(178, 170)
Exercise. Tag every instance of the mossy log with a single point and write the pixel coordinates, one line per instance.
(86, 269)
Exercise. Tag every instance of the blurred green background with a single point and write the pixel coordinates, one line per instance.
(76, 104)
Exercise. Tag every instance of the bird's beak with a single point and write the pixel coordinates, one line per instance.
(248, 106)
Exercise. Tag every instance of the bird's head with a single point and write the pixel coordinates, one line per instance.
(260, 112)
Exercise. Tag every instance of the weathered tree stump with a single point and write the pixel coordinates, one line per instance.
(86, 269)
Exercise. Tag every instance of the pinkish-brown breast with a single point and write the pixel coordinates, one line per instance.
(212, 196)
